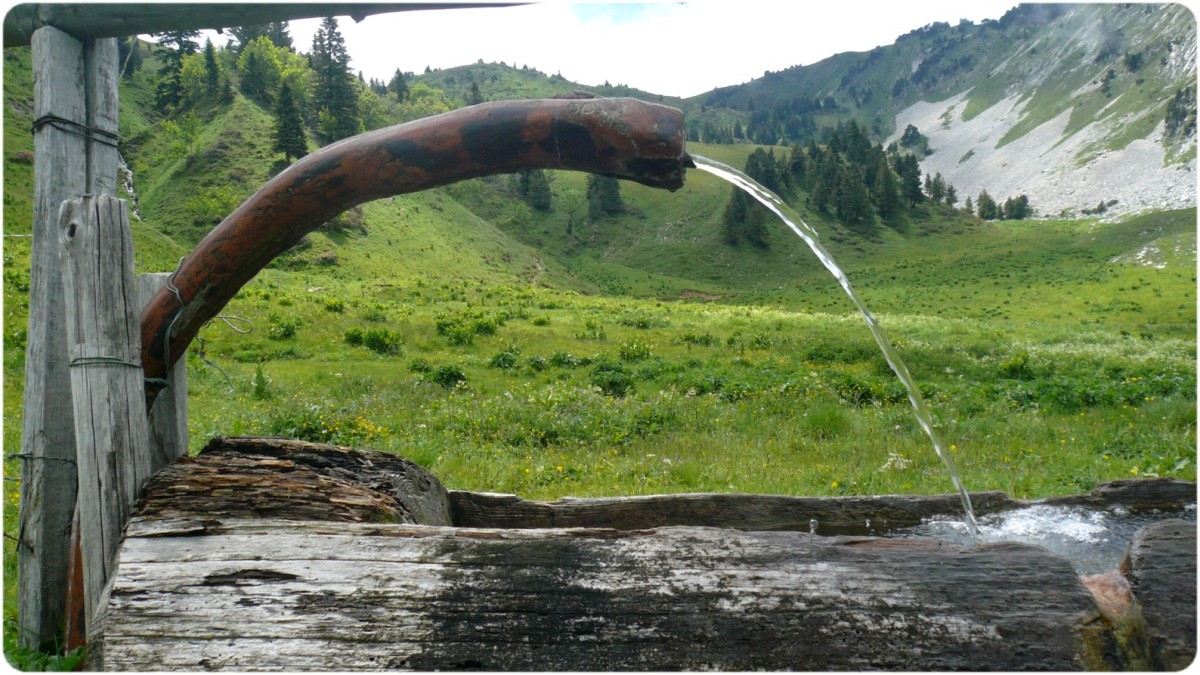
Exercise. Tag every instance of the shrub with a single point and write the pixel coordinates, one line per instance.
(537, 363)
(282, 327)
(503, 360)
(419, 366)
(447, 376)
(335, 306)
(565, 360)
(611, 378)
(633, 350)
(1016, 367)
(382, 341)
(354, 336)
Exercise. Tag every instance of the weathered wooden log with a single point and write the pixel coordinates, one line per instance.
(63, 67)
(825, 515)
(169, 414)
(1161, 568)
(284, 478)
(269, 554)
(106, 380)
(288, 595)
(623, 138)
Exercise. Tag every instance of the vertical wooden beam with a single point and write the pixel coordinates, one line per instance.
(47, 440)
(74, 89)
(107, 388)
(169, 415)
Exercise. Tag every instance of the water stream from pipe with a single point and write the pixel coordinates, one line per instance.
(804, 231)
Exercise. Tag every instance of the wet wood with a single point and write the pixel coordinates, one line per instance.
(623, 138)
(828, 515)
(287, 595)
(1161, 568)
(112, 435)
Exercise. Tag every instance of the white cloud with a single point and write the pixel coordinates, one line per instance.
(679, 49)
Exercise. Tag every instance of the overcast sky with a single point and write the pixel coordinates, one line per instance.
(672, 48)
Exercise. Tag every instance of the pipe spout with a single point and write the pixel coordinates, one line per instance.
(621, 137)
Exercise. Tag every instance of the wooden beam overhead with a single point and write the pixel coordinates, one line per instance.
(99, 20)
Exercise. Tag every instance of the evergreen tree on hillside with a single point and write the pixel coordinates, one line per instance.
(603, 197)
(335, 95)
(886, 194)
(178, 44)
(212, 70)
(398, 87)
(909, 170)
(289, 126)
(474, 96)
(277, 31)
(853, 203)
(987, 206)
(533, 187)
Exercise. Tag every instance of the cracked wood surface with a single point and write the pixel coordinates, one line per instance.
(287, 595)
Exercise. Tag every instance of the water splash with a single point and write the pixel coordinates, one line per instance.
(804, 231)
(1094, 541)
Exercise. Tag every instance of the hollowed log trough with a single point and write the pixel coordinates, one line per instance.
(270, 554)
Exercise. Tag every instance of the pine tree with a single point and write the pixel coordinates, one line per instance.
(986, 206)
(398, 87)
(178, 43)
(886, 194)
(212, 69)
(335, 95)
(474, 96)
(603, 197)
(277, 31)
(289, 126)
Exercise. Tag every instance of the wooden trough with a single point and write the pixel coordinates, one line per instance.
(271, 554)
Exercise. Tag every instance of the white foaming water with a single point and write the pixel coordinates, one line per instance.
(804, 231)
(1094, 541)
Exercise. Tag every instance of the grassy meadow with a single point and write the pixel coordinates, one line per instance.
(512, 350)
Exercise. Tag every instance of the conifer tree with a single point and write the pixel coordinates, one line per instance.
(603, 197)
(212, 70)
(289, 126)
(278, 33)
(887, 190)
(178, 44)
(335, 95)
(398, 87)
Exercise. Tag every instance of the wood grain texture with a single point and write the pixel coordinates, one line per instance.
(1161, 568)
(286, 595)
(47, 437)
(284, 478)
(106, 380)
(169, 414)
(855, 515)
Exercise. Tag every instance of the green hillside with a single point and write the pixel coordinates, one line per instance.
(553, 350)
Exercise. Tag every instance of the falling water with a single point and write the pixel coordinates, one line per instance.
(788, 216)
(127, 183)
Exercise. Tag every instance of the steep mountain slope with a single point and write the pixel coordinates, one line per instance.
(1070, 104)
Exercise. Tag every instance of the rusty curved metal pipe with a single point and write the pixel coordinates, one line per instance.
(622, 138)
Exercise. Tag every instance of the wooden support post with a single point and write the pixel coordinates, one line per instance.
(104, 343)
(75, 89)
(169, 416)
